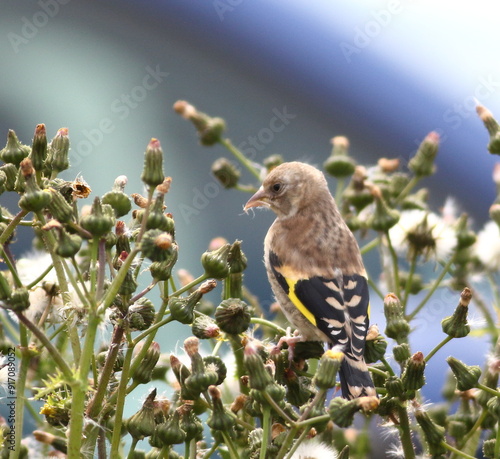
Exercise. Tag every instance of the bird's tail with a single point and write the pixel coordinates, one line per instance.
(355, 379)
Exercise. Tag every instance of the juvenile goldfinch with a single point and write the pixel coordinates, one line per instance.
(315, 268)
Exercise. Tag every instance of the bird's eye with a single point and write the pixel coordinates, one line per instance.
(277, 187)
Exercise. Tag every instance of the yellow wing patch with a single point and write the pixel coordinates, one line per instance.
(298, 304)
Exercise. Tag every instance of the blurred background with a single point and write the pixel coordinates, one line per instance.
(383, 73)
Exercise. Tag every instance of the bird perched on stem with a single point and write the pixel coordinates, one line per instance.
(315, 268)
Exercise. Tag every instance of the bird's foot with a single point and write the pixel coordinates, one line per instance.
(290, 340)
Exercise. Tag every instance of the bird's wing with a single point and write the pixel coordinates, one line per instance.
(337, 306)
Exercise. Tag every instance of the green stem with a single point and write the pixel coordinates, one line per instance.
(375, 288)
(189, 286)
(405, 433)
(395, 265)
(338, 191)
(497, 444)
(431, 291)
(413, 265)
(488, 389)
(456, 451)
(11, 227)
(298, 442)
(370, 246)
(406, 190)
(267, 323)
(277, 408)
(233, 452)
(266, 431)
(475, 427)
(437, 347)
(386, 363)
(287, 442)
(40, 277)
(132, 448)
(241, 157)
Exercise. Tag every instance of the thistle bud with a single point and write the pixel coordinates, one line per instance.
(215, 262)
(162, 270)
(259, 376)
(494, 407)
(205, 327)
(5, 291)
(152, 173)
(59, 207)
(67, 245)
(489, 447)
(141, 314)
(34, 199)
(58, 443)
(357, 193)
(329, 364)
(14, 151)
(56, 410)
(342, 411)
(19, 300)
(465, 237)
(59, 152)
(401, 353)
(143, 372)
(170, 432)
(397, 327)
(158, 220)
(233, 316)
(219, 419)
(226, 173)
(236, 259)
(201, 377)
(422, 164)
(395, 387)
(413, 377)
(156, 245)
(456, 325)
(10, 172)
(209, 129)
(384, 218)
(434, 434)
(182, 309)
(97, 222)
(272, 161)
(39, 147)
(416, 200)
(493, 128)
(299, 388)
(181, 373)
(489, 380)
(215, 364)
(467, 376)
(142, 424)
(190, 423)
(375, 345)
(340, 164)
(117, 199)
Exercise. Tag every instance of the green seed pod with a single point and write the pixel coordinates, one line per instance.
(219, 419)
(10, 172)
(494, 407)
(493, 128)
(156, 245)
(299, 388)
(467, 376)
(129, 284)
(117, 199)
(416, 200)
(413, 377)
(142, 424)
(215, 364)
(19, 300)
(35, 201)
(162, 270)
(233, 316)
(465, 237)
(213, 132)
(259, 377)
(141, 314)
(226, 173)
(375, 345)
(182, 309)
(329, 365)
(395, 387)
(236, 259)
(384, 217)
(152, 174)
(215, 262)
(59, 152)
(181, 373)
(68, 245)
(205, 327)
(396, 327)
(157, 219)
(489, 448)
(272, 161)
(342, 411)
(39, 147)
(422, 164)
(3, 181)
(170, 432)
(143, 373)
(56, 411)
(340, 164)
(401, 353)
(456, 325)
(356, 193)
(14, 151)
(190, 423)
(5, 291)
(489, 380)
(434, 434)
(96, 222)
(201, 377)
(59, 207)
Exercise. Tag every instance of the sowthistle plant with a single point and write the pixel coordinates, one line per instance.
(254, 401)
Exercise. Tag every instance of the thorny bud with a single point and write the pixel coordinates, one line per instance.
(158, 220)
(162, 270)
(190, 422)
(465, 237)
(143, 373)
(375, 345)
(342, 411)
(413, 377)
(201, 377)
(141, 314)
(215, 262)
(56, 410)
(492, 126)
(236, 259)
(209, 129)
(233, 316)
(34, 199)
(384, 218)
(456, 325)
(329, 365)
(272, 161)
(259, 376)
(401, 352)
(182, 309)
(14, 151)
(19, 299)
(204, 327)
(357, 193)
(226, 173)
(58, 443)
(422, 164)
(181, 373)
(67, 245)
(219, 419)
(152, 174)
(489, 447)
(10, 172)
(395, 387)
(142, 424)
(59, 207)
(434, 434)
(170, 432)
(397, 327)
(117, 199)
(97, 222)
(467, 376)
(39, 147)
(59, 152)
(156, 245)
(340, 164)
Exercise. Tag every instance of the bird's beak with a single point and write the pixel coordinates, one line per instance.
(259, 199)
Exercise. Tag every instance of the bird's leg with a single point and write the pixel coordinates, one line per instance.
(290, 340)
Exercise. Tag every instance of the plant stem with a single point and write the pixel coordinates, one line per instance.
(437, 347)
(189, 286)
(267, 323)
(266, 430)
(233, 452)
(395, 265)
(405, 433)
(456, 451)
(20, 389)
(370, 245)
(297, 443)
(488, 389)
(241, 157)
(413, 265)
(40, 277)
(6, 233)
(406, 190)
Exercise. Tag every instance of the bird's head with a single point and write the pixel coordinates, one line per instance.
(290, 187)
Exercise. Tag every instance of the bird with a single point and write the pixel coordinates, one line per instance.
(315, 268)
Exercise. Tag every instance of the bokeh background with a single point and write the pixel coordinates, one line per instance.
(383, 73)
